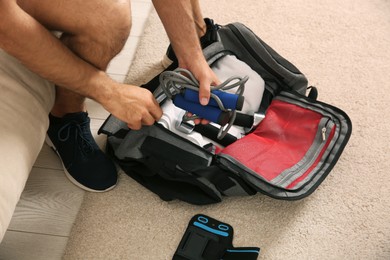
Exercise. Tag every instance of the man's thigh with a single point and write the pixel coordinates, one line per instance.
(74, 16)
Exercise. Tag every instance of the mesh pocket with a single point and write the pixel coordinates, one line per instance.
(286, 145)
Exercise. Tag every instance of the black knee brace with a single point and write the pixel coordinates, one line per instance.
(209, 239)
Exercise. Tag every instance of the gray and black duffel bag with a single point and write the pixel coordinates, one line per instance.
(277, 141)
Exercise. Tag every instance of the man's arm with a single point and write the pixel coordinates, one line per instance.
(27, 40)
(178, 21)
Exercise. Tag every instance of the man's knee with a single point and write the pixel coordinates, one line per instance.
(116, 24)
(120, 18)
(106, 27)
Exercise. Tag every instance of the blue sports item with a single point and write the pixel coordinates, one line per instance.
(183, 88)
(229, 101)
(208, 238)
(210, 113)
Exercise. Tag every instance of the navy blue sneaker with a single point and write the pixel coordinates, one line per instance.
(84, 163)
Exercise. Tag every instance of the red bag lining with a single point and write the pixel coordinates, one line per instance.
(279, 142)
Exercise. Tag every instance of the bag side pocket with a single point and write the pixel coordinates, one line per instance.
(293, 149)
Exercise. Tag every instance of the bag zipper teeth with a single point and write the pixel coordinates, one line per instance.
(288, 178)
(286, 94)
(237, 168)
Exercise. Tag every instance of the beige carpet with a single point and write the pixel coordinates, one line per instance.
(344, 49)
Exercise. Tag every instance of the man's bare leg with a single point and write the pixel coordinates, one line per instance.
(94, 30)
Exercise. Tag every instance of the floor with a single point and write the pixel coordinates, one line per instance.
(49, 204)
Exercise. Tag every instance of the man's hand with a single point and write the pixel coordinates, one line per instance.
(206, 77)
(178, 20)
(134, 105)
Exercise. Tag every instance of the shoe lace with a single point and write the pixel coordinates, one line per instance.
(81, 134)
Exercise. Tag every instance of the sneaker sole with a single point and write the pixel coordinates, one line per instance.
(67, 174)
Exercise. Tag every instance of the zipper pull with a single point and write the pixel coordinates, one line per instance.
(323, 130)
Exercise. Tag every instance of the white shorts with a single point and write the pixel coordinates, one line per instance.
(25, 102)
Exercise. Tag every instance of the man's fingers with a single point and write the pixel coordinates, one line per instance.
(148, 119)
(204, 121)
(204, 88)
(156, 111)
(204, 92)
(135, 126)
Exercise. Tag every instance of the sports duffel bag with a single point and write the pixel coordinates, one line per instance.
(287, 145)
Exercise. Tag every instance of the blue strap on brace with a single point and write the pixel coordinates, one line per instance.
(209, 239)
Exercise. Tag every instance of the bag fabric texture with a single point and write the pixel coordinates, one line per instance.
(285, 156)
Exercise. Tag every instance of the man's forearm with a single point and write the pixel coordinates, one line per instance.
(178, 21)
(27, 40)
